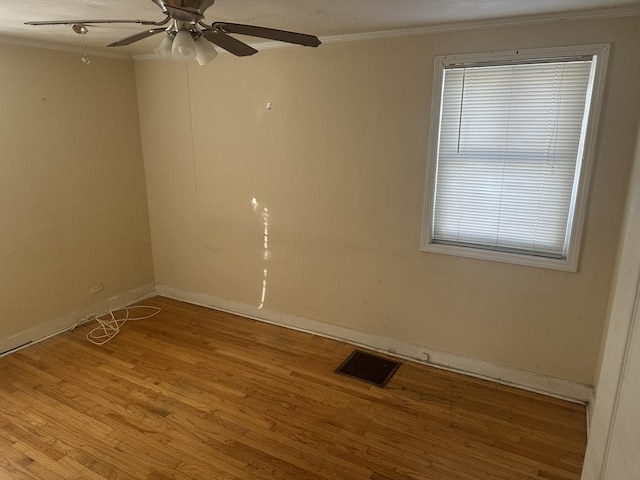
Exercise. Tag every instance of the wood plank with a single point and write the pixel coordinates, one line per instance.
(198, 394)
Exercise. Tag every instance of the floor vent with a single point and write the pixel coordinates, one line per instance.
(368, 368)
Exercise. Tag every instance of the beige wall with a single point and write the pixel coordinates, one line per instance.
(339, 161)
(73, 210)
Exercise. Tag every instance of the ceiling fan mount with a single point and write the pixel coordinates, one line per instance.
(80, 28)
(188, 37)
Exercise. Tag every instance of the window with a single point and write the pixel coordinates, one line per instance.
(511, 139)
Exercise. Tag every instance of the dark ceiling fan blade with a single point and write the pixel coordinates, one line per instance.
(269, 33)
(87, 22)
(230, 44)
(135, 37)
(183, 14)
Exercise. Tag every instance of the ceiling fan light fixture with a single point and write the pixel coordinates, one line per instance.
(205, 51)
(183, 49)
(188, 37)
(164, 48)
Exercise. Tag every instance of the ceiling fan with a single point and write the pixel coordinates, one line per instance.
(188, 37)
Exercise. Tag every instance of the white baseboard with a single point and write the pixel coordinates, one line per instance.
(65, 322)
(535, 382)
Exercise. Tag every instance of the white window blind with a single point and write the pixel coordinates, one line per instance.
(510, 146)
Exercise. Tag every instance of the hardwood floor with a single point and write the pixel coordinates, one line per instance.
(199, 394)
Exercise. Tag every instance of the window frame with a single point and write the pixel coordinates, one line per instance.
(577, 220)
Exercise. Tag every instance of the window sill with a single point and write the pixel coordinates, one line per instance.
(563, 264)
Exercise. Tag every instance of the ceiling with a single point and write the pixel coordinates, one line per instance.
(324, 18)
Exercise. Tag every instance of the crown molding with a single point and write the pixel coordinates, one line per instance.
(481, 24)
(92, 52)
(619, 12)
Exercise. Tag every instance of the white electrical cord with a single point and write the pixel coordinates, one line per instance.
(109, 323)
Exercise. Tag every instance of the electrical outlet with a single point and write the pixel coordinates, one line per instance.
(98, 287)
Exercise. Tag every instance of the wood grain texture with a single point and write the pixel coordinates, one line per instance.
(199, 394)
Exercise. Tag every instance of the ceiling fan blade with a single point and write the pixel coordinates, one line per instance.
(269, 33)
(183, 14)
(230, 44)
(137, 36)
(86, 22)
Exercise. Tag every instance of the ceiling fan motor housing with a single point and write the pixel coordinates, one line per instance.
(198, 6)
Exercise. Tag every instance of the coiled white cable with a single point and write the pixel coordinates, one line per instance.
(111, 323)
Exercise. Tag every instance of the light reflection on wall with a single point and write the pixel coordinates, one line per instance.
(264, 213)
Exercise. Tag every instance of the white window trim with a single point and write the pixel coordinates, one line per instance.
(601, 51)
